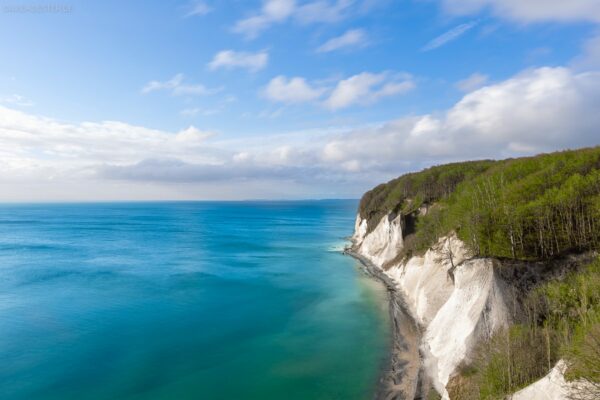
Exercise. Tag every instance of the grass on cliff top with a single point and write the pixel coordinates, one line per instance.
(408, 192)
(537, 207)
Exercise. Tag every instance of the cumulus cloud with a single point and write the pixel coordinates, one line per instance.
(361, 89)
(192, 135)
(530, 10)
(449, 36)
(293, 90)
(537, 110)
(279, 11)
(30, 140)
(474, 81)
(229, 59)
(352, 38)
(366, 88)
(176, 87)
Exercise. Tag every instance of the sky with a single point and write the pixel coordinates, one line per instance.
(283, 99)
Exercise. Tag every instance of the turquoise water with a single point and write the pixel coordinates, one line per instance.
(186, 301)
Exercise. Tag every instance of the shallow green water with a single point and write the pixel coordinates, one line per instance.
(186, 301)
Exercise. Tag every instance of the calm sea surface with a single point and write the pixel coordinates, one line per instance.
(186, 301)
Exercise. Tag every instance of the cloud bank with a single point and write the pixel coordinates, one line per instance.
(537, 110)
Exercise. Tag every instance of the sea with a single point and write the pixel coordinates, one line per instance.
(187, 300)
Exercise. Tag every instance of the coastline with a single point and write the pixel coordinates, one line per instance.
(404, 377)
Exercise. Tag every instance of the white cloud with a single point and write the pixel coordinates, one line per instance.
(192, 135)
(474, 81)
(361, 89)
(176, 87)
(168, 85)
(229, 59)
(273, 11)
(538, 110)
(449, 36)
(16, 100)
(530, 10)
(323, 11)
(32, 143)
(198, 8)
(293, 90)
(279, 11)
(352, 38)
(366, 88)
(590, 56)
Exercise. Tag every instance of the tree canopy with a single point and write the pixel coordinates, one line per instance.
(525, 208)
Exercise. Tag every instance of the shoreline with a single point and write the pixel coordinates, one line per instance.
(403, 378)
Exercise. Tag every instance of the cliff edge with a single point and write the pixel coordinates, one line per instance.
(477, 251)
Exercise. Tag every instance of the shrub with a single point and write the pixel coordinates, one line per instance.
(563, 323)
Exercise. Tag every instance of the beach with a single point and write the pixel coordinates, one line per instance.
(403, 378)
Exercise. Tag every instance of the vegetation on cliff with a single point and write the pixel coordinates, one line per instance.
(527, 208)
(409, 192)
(562, 321)
(534, 209)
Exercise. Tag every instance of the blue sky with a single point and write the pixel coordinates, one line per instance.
(246, 99)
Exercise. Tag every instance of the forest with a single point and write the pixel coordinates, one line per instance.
(523, 211)
(526, 208)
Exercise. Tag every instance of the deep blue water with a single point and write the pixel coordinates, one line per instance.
(198, 300)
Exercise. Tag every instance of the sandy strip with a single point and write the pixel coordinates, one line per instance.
(404, 378)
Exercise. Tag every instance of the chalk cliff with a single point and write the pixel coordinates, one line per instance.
(457, 300)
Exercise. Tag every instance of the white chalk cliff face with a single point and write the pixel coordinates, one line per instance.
(554, 387)
(455, 307)
(551, 387)
(360, 230)
(474, 310)
(383, 243)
